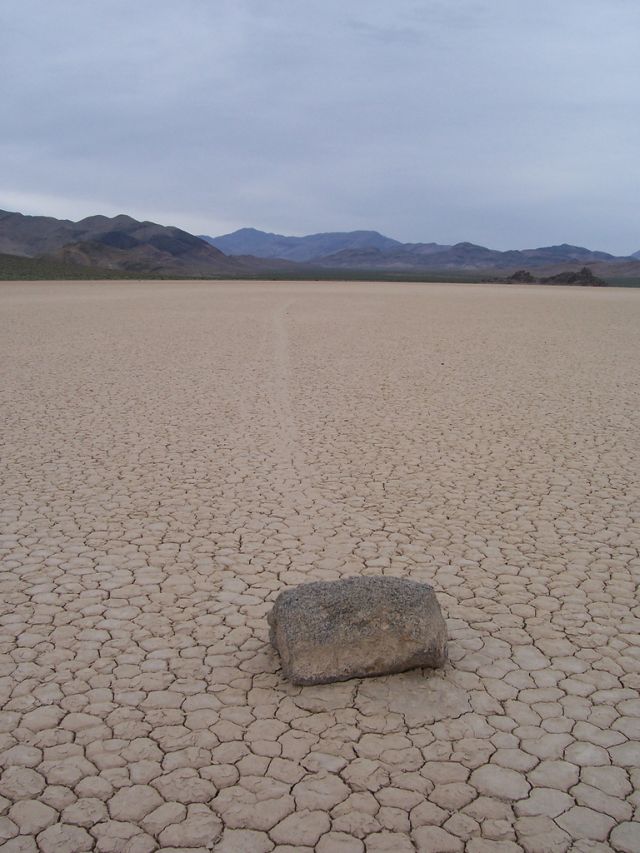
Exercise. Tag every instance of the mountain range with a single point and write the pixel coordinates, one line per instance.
(250, 241)
(369, 250)
(107, 245)
(118, 243)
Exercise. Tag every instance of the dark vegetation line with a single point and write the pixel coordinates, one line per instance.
(14, 268)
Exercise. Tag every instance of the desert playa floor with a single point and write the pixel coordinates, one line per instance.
(174, 454)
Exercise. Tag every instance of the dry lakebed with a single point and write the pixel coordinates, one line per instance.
(175, 454)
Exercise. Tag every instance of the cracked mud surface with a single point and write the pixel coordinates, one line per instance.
(175, 454)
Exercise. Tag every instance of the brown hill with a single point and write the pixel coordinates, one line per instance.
(117, 243)
(146, 257)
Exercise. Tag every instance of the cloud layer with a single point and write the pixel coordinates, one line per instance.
(502, 122)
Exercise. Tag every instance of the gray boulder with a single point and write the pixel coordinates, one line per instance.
(357, 627)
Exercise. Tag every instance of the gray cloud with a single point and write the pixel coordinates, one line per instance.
(507, 123)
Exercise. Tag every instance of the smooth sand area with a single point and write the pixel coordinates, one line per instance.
(175, 453)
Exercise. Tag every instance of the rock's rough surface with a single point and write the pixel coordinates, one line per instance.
(356, 627)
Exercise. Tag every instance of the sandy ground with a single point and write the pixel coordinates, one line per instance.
(177, 453)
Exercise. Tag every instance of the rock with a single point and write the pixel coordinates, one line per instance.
(357, 627)
(583, 277)
(521, 277)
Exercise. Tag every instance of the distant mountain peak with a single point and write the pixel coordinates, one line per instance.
(370, 250)
(262, 244)
(124, 243)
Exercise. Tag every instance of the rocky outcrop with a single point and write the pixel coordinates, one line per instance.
(357, 627)
(582, 277)
(521, 277)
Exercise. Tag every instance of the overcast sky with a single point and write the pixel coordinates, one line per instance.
(510, 123)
